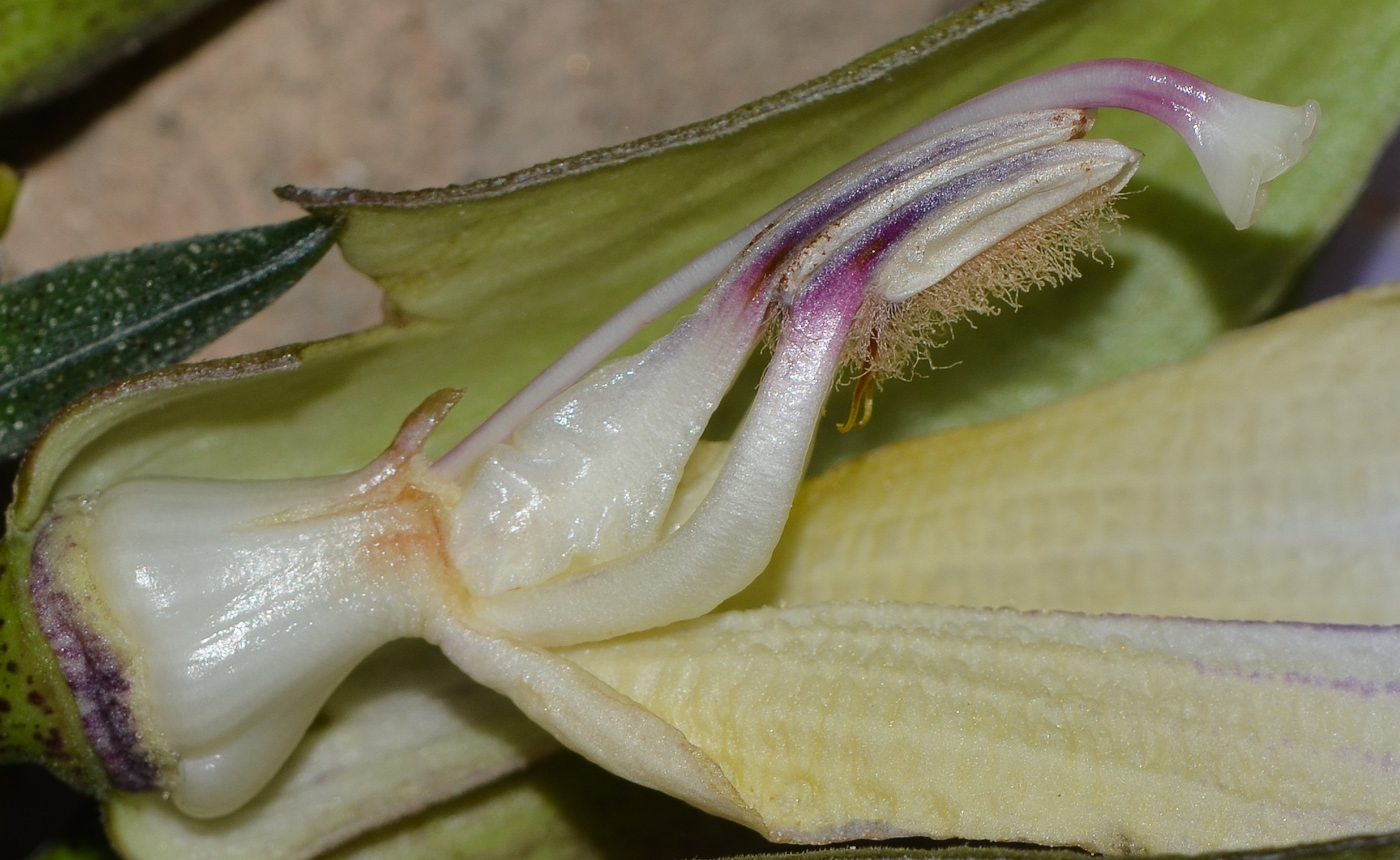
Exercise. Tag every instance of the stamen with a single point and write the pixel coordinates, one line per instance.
(863, 397)
(890, 339)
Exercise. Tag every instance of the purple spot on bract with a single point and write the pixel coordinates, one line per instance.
(53, 741)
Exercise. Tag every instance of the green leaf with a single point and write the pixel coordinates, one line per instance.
(73, 328)
(48, 45)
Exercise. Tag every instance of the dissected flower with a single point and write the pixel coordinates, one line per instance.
(201, 625)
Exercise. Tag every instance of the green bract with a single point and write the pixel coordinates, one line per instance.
(83, 324)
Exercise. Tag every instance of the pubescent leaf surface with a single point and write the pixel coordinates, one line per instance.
(73, 328)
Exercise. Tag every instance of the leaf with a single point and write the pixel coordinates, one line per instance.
(1257, 480)
(49, 45)
(81, 325)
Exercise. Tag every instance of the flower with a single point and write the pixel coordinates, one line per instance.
(202, 624)
(489, 281)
